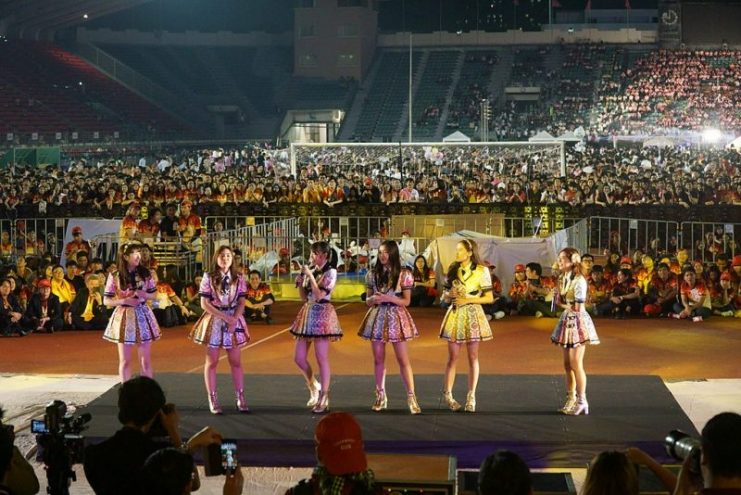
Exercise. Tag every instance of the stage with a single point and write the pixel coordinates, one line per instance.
(516, 412)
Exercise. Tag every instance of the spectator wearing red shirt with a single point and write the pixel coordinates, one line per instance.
(258, 300)
(598, 288)
(662, 292)
(517, 289)
(624, 297)
(694, 298)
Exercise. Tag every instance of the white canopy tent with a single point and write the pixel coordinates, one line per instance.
(457, 137)
(735, 144)
(659, 142)
(541, 136)
(569, 137)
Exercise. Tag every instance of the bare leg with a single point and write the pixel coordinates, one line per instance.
(570, 378)
(145, 359)
(473, 366)
(453, 349)
(235, 363)
(301, 360)
(402, 357)
(379, 364)
(321, 351)
(576, 357)
(124, 361)
(209, 369)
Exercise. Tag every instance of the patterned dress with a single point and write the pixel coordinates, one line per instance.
(468, 323)
(210, 330)
(317, 319)
(574, 328)
(388, 322)
(131, 324)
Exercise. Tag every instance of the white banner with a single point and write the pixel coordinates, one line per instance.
(92, 228)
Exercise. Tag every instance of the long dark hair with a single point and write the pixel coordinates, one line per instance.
(325, 248)
(124, 277)
(472, 248)
(215, 272)
(425, 273)
(388, 278)
(611, 473)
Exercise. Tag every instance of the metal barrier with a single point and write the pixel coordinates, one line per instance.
(706, 240)
(625, 235)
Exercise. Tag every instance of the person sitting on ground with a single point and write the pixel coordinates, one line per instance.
(114, 466)
(342, 467)
(662, 292)
(694, 298)
(168, 308)
(12, 320)
(87, 309)
(424, 291)
(258, 300)
(504, 473)
(495, 310)
(598, 289)
(624, 297)
(611, 473)
(169, 471)
(192, 298)
(44, 311)
(539, 293)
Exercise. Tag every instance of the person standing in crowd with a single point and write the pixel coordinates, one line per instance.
(259, 299)
(574, 330)
(424, 291)
(316, 322)
(132, 323)
(44, 312)
(77, 244)
(467, 287)
(222, 325)
(388, 293)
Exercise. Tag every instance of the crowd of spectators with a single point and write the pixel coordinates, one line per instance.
(594, 175)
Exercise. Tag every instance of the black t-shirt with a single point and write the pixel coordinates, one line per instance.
(113, 467)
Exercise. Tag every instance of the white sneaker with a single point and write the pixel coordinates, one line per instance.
(538, 314)
(696, 319)
(488, 317)
(499, 315)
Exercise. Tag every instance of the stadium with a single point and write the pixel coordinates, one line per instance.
(234, 197)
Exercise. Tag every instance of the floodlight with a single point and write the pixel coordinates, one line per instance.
(711, 135)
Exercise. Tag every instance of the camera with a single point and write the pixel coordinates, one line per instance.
(60, 444)
(220, 458)
(680, 446)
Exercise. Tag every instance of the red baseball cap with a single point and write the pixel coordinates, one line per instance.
(725, 276)
(519, 267)
(76, 230)
(339, 442)
(736, 260)
(187, 202)
(44, 282)
(626, 259)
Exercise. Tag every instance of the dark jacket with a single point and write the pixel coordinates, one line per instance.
(54, 308)
(80, 302)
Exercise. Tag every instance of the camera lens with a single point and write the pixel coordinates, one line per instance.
(680, 446)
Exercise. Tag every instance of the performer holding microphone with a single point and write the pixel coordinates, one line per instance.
(316, 322)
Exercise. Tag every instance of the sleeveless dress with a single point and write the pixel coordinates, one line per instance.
(388, 322)
(131, 324)
(210, 330)
(574, 328)
(468, 323)
(317, 319)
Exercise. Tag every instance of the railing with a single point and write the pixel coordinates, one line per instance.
(625, 235)
(706, 239)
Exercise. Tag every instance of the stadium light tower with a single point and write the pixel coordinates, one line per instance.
(410, 86)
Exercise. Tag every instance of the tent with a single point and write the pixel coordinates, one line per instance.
(659, 142)
(541, 137)
(735, 144)
(568, 137)
(457, 137)
(503, 252)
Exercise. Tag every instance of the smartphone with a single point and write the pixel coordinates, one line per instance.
(228, 456)
(39, 426)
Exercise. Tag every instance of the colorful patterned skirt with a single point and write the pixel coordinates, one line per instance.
(316, 321)
(573, 329)
(211, 331)
(132, 325)
(388, 323)
(465, 324)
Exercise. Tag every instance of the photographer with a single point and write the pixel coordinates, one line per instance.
(114, 466)
(170, 472)
(16, 474)
(720, 459)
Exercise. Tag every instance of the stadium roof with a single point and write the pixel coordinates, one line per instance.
(39, 19)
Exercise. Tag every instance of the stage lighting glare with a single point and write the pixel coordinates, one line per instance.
(84, 16)
(711, 135)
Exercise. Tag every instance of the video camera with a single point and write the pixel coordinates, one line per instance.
(60, 444)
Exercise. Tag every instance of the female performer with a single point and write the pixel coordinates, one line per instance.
(573, 330)
(468, 286)
(316, 322)
(222, 326)
(388, 290)
(132, 322)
